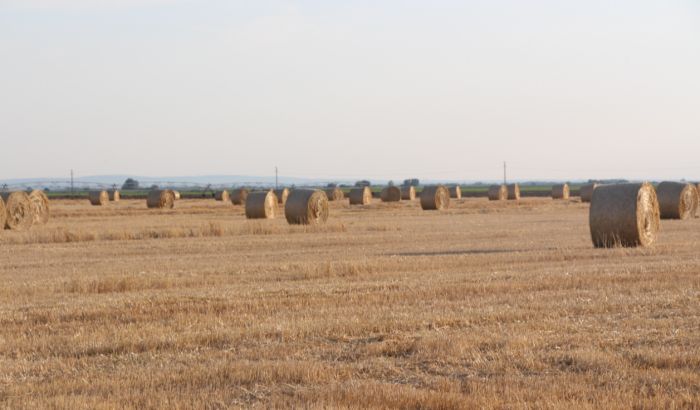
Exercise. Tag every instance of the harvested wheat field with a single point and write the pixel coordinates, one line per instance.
(483, 305)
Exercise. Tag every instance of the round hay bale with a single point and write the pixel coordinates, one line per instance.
(222, 196)
(239, 196)
(560, 191)
(624, 215)
(514, 192)
(115, 196)
(158, 199)
(456, 192)
(306, 206)
(360, 196)
(677, 200)
(335, 194)
(282, 195)
(408, 193)
(98, 198)
(261, 205)
(3, 213)
(435, 197)
(586, 192)
(40, 206)
(19, 212)
(177, 195)
(391, 194)
(498, 193)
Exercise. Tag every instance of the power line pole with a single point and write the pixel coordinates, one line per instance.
(505, 179)
(71, 181)
(276, 180)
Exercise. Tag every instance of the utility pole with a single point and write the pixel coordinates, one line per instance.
(71, 181)
(276, 180)
(505, 179)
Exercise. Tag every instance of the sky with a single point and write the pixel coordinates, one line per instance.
(364, 89)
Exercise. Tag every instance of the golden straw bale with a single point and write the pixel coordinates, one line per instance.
(677, 200)
(306, 206)
(435, 197)
(40, 206)
(98, 198)
(19, 212)
(560, 191)
(498, 193)
(391, 194)
(408, 193)
(261, 205)
(161, 199)
(514, 192)
(360, 196)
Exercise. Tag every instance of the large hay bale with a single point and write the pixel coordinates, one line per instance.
(586, 192)
(222, 196)
(158, 199)
(3, 213)
(335, 194)
(408, 193)
(391, 194)
(282, 195)
(306, 206)
(435, 197)
(514, 192)
(115, 196)
(624, 215)
(40, 207)
(261, 205)
(560, 191)
(19, 213)
(360, 196)
(98, 198)
(239, 196)
(177, 195)
(456, 192)
(677, 200)
(498, 193)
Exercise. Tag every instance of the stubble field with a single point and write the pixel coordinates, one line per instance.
(494, 305)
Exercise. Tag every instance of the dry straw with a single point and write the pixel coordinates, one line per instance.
(360, 196)
(456, 192)
(239, 196)
(161, 199)
(624, 215)
(498, 193)
(222, 196)
(98, 198)
(408, 193)
(306, 206)
(560, 191)
(115, 196)
(40, 207)
(3, 213)
(335, 194)
(282, 195)
(391, 194)
(19, 212)
(586, 192)
(513, 192)
(435, 197)
(177, 195)
(677, 200)
(261, 205)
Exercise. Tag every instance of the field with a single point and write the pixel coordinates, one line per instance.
(493, 305)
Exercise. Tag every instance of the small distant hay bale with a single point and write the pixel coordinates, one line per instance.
(560, 191)
(498, 193)
(677, 200)
(456, 192)
(306, 207)
(335, 194)
(514, 192)
(408, 193)
(282, 195)
(40, 207)
(19, 213)
(261, 205)
(3, 213)
(624, 215)
(360, 196)
(586, 192)
(98, 198)
(391, 194)
(239, 196)
(159, 199)
(115, 196)
(177, 195)
(222, 196)
(435, 197)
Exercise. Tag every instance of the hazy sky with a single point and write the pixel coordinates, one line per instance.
(376, 89)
